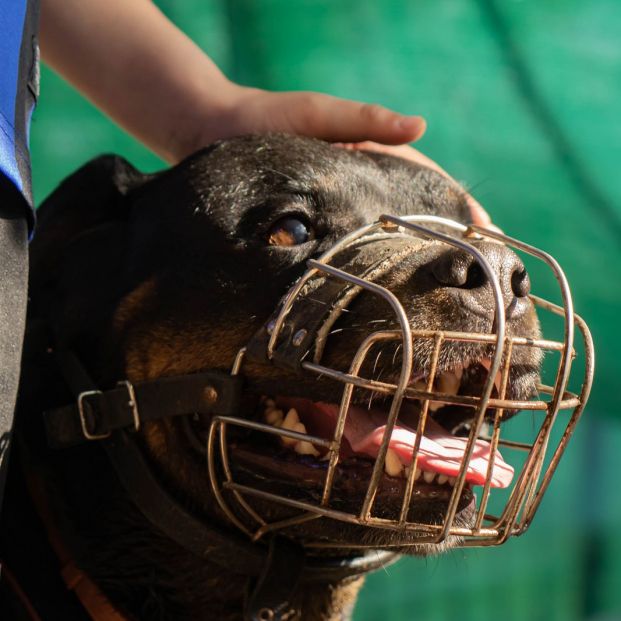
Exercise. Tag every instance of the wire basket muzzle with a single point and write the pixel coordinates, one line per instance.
(294, 339)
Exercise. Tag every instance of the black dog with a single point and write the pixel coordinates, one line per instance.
(151, 276)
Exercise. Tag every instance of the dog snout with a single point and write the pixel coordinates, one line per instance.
(465, 278)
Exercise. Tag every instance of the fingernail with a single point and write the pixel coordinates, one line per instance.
(411, 123)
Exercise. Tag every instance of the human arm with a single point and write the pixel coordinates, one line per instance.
(140, 69)
(136, 66)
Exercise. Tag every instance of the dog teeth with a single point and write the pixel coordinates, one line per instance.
(272, 414)
(274, 417)
(291, 419)
(305, 448)
(434, 477)
(448, 382)
(292, 423)
(392, 466)
(487, 363)
(429, 476)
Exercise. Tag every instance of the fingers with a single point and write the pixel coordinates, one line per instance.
(478, 214)
(351, 124)
(340, 120)
(404, 151)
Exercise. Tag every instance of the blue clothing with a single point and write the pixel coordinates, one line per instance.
(19, 85)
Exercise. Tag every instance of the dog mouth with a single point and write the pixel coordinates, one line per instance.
(297, 468)
(440, 453)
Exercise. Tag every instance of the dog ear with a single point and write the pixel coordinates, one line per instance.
(80, 232)
(93, 195)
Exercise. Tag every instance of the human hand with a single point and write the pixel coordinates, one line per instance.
(168, 93)
(318, 115)
(163, 88)
(479, 215)
(349, 124)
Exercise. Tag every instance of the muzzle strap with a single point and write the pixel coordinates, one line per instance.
(97, 414)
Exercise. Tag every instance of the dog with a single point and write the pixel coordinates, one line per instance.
(151, 276)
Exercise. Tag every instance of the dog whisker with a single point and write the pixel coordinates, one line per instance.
(374, 393)
(394, 356)
(379, 354)
(350, 329)
(370, 400)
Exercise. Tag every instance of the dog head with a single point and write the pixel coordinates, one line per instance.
(149, 276)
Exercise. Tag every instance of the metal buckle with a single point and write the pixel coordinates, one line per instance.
(132, 403)
(87, 434)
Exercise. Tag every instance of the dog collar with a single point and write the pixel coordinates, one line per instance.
(97, 414)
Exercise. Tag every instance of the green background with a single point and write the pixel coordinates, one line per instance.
(522, 100)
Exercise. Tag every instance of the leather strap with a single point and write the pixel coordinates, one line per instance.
(226, 549)
(96, 604)
(22, 598)
(157, 505)
(94, 601)
(97, 414)
(275, 588)
(163, 511)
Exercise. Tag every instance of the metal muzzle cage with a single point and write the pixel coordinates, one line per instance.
(537, 460)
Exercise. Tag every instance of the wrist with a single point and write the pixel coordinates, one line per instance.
(213, 110)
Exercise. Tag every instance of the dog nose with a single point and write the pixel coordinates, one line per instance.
(464, 276)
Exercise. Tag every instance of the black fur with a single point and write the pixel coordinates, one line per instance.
(152, 275)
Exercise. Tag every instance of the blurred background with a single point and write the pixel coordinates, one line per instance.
(523, 103)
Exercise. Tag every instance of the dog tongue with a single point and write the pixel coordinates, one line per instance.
(439, 451)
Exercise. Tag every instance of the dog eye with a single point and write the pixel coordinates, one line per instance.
(289, 232)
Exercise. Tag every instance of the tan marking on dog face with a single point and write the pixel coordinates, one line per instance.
(158, 343)
(154, 434)
(134, 303)
(153, 351)
(167, 448)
